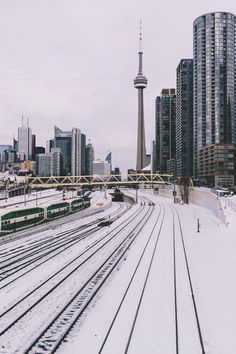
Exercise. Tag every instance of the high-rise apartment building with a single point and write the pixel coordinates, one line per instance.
(102, 168)
(83, 147)
(76, 152)
(184, 118)
(72, 144)
(55, 162)
(63, 140)
(165, 108)
(25, 142)
(89, 158)
(214, 36)
(153, 157)
(43, 165)
(49, 164)
(33, 146)
(3, 148)
(109, 159)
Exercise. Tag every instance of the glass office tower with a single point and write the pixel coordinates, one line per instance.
(184, 118)
(165, 107)
(214, 81)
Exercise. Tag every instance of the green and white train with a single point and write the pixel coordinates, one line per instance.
(20, 218)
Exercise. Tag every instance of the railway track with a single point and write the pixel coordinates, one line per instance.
(166, 233)
(180, 270)
(42, 227)
(52, 247)
(177, 229)
(160, 217)
(99, 276)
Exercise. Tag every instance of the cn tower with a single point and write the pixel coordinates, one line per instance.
(140, 83)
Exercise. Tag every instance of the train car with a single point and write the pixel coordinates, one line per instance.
(118, 196)
(87, 202)
(16, 219)
(79, 204)
(57, 210)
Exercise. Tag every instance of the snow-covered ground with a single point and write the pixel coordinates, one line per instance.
(35, 198)
(142, 286)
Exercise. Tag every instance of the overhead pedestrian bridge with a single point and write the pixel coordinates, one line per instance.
(98, 180)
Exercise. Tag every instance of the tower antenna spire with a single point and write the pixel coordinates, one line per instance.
(140, 37)
(140, 52)
(140, 83)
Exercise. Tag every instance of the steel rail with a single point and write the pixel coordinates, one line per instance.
(73, 271)
(109, 267)
(131, 281)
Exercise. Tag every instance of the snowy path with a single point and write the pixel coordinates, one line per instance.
(35, 198)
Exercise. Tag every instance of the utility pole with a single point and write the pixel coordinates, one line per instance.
(136, 199)
(174, 193)
(25, 194)
(198, 225)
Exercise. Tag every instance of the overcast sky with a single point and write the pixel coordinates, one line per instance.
(71, 63)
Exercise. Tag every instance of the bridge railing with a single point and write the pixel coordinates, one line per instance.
(97, 180)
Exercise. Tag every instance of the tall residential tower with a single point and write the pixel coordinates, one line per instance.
(214, 72)
(165, 131)
(184, 118)
(140, 83)
(25, 142)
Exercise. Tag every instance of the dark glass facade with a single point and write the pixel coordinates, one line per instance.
(184, 118)
(214, 36)
(217, 165)
(157, 167)
(89, 158)
(165, 128)
(64, 143)
(83, 147)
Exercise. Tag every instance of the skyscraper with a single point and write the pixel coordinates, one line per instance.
(89, 158)
(25, 142)
(83, 147)
(33, 146)
(214, 36)
(72, 144)
(140, 83)
(109, 159)
(62, 140)
(49, 164)
(165, 131)
(184, 118)
(76, 152)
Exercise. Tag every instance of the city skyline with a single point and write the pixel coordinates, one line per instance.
(45, 77)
